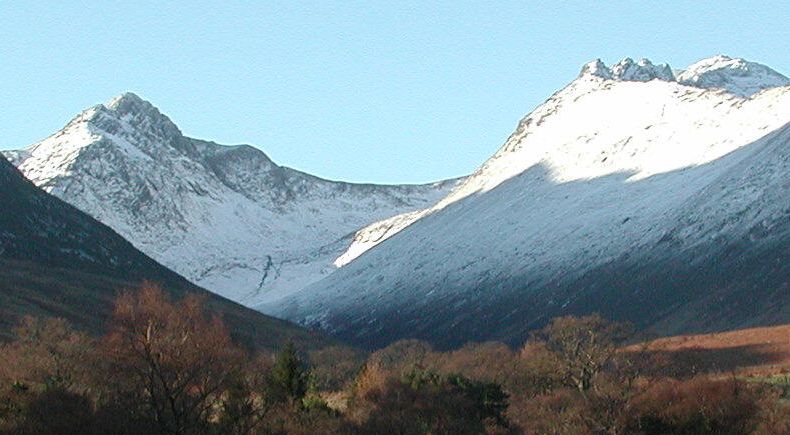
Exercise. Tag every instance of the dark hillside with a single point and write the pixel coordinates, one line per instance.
(57, 261)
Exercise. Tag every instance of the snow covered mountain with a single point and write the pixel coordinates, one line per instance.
(733, 75)
(630, 192)
(225, 217)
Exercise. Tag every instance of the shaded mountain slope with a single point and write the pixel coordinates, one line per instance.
(625, 193)
(57, 261)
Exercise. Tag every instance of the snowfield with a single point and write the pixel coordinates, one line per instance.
(734, 76)
(622, 165)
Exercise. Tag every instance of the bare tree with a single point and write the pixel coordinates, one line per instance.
(583, 346)
(178, 361)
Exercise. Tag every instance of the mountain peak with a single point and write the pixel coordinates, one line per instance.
(138, 113)
(732, 74)
(596, 68)
(127, 101)
(735, 75)
(642, 71)
(125, 125)
(629, 71)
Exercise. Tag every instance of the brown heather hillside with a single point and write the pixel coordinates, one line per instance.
(753, 351)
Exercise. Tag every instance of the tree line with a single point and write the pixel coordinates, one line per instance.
(169, 367)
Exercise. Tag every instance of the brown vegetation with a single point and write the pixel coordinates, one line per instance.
(753, 351)
(169, 367)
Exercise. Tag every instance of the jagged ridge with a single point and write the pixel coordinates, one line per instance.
(734, 75)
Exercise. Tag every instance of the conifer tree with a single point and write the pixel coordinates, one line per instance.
(289, 376)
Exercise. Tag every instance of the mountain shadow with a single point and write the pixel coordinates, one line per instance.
(57, 261)
(714, 260)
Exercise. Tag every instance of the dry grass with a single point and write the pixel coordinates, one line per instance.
(760, 351)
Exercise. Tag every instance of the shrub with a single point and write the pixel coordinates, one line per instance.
(424, 402)
(57, 411)
(537, 370)
(490, 361)
(334, 367)
(402, 356)
(698, 406)
(555, 412)
(48, 352)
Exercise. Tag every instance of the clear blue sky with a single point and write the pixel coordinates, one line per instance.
(360, 91)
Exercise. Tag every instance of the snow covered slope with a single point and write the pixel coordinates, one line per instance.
(732, 75)
(623, 170)
(225, 217)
